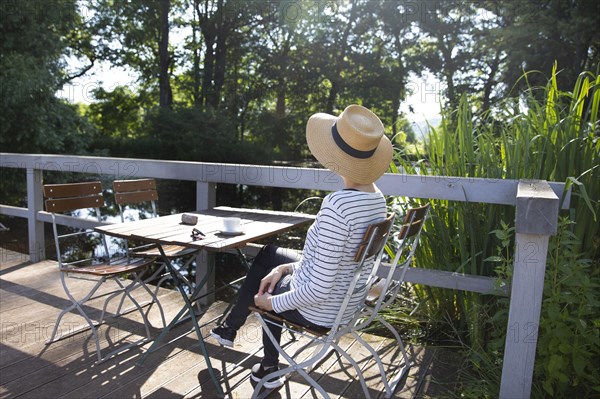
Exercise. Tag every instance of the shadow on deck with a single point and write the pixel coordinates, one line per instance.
(31, 297)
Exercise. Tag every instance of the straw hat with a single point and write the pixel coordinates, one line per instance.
(352, 145)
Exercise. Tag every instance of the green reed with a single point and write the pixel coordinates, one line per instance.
(543, 133)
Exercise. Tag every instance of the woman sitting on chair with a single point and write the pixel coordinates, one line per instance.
(309, 289)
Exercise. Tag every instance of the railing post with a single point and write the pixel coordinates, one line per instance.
(206, 198)
(206, 195)
(35, 203)
(535, 221)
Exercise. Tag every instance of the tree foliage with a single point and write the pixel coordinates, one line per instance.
(34, 40)
(264, 66)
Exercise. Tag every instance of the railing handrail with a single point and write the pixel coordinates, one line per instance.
(468, 189)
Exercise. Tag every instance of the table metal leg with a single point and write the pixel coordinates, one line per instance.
(188, 308)
(244, 259)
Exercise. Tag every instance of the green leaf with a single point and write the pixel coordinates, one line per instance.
(548, 387)
(579, 364)
(565, 348)
(562, 377)
(554, 365)
(494, 258)
(584, 193)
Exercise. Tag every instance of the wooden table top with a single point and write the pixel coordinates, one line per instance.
(256, 224)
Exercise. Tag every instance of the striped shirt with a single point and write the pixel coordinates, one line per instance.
(322, 276)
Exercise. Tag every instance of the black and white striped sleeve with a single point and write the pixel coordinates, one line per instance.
(326, 249)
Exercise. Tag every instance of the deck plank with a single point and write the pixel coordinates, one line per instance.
(31, 297)
(29, 319)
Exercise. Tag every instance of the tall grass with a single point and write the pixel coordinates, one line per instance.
(543, 133)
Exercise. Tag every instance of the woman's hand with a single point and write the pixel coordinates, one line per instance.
(263, 301)
(268, 283)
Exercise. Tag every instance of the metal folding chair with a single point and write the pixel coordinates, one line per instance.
(368, 259)
(93, 263)
(140, 191)
(384, 292)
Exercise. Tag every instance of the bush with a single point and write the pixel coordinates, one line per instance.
(568, 344)
(553, 139)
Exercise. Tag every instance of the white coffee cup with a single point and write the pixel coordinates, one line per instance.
(232, 225)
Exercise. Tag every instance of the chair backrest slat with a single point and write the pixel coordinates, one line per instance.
(71, 204)
(135, 197)
(410, 229)
(126, 186)
(377, 234)
(371, 246)
(135, 191)
(388, 287)
(413, 221)
(72, 189)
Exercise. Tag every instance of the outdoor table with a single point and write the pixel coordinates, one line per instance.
(170, 230)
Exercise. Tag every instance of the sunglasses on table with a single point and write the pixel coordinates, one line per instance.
(197, 234)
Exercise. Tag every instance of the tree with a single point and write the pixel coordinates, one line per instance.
(537, 34)
(32, 71)
(447, 47)
(117, 113)
(164, 57)
(333, 41)
(220, 23)
(266, 66)
(135, 34)
(396, 60)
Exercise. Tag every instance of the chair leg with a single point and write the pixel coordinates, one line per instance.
(57, 322)
(122, 301)
(294, 366)
(396, 336)
(166, 275)
(313, 354)
(389, 384)
(122, 292)
(189, 309)
(186, 265)
(154, 296)
(359, 372)
(407, 363)
(75, 304)
(108, 299)
(154, 301)
(375, 356)
(141, 283)
(128, 290)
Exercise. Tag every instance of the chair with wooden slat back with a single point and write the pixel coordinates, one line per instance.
(76, 261)
(140, 191)
(385, 291)
(325, 340)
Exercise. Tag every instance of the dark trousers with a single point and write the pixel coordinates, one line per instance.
(266, 260)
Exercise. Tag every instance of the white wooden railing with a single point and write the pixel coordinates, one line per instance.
(536, 202)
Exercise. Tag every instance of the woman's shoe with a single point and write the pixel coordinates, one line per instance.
(224, 334)
(258, 373)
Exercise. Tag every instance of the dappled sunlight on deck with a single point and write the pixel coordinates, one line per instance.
(31, 297)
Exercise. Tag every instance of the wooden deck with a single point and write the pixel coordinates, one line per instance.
(31, 297)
